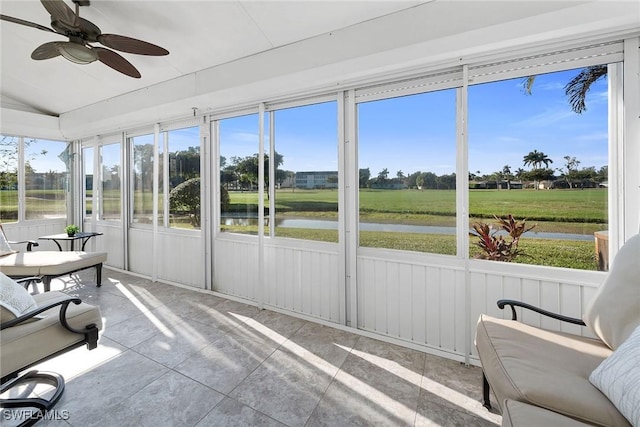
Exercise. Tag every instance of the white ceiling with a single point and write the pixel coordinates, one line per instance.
(225, 53)
(198, 34)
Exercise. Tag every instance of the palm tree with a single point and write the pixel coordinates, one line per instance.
(506, 174)
(536, 158)
(576, 90)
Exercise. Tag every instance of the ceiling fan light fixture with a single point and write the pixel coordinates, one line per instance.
(76, 53)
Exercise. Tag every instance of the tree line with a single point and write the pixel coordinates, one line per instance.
(570, 175)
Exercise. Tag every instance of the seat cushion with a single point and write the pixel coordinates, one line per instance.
(52, 263)
(614, 311)
(518, 414)
(544, 368)
(28, 343)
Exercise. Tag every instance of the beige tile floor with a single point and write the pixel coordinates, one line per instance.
(169, 356)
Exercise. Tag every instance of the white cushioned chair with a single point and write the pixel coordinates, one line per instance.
(35, 328)
(526, 365)
(46, 264)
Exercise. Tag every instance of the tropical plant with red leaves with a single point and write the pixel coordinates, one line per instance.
(495, 246)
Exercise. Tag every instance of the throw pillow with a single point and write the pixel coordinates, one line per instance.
(614, 311)
(14, 299)
(618, 377)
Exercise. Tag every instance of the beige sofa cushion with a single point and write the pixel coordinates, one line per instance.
(518, 414)
(50, 263)
(24, 344)
(614, 312)
(544, 368)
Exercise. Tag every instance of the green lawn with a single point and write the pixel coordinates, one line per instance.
(561, 211)
(566, 211)
(556, 253)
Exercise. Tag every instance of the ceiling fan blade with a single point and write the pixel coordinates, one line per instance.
(60, 12)
(117, 62)
(45, 51)
(90, 30)
(27, 23)
(131, 45)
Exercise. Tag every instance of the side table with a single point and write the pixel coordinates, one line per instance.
(83, 236)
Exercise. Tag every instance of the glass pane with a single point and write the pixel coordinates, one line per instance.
(46, 175)
(184, 177)
(111, 182)
(87, 159)
(407, 162)
(306, 158)
(533, 157)
(142, 179)
(162, 136)
(239, 174)
(9, 178)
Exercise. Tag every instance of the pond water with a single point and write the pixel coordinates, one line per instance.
(405, 228)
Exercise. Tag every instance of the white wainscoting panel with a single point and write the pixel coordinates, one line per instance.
(111, 242)
(562, 291)
(181, 258)
(305, 278)
(418, 299)
(141, 251)
(235, 269)
(31, 230)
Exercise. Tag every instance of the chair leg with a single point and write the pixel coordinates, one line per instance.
(46, 281)
(485, 392)
(99, 274)
(41, 405)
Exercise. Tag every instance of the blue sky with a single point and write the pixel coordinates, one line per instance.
(417, 133)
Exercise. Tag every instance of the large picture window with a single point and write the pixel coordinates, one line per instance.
(87, 160)
(239, 141)
(184, 177)
(9, 178)
(143, 152)
(407, 180)
(542, 157)
(46, 175)
(111, 181)
(306, 172)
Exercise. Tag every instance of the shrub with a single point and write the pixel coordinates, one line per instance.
(496, 247)
(186, 197)
(225, 199)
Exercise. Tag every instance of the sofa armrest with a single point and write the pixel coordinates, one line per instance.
(63, 302)
(28, 281)
(29, 243)
(513, 304)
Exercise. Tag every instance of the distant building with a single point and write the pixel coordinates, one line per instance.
(391, 184)
(494, 185)
(317, 179)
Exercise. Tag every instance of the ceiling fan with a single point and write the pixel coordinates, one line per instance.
(81, 33)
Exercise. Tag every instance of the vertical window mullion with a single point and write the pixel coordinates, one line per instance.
(165, 179)
(272, 174)
(21, 181)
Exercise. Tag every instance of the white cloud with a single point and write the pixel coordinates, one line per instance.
(546, 118)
